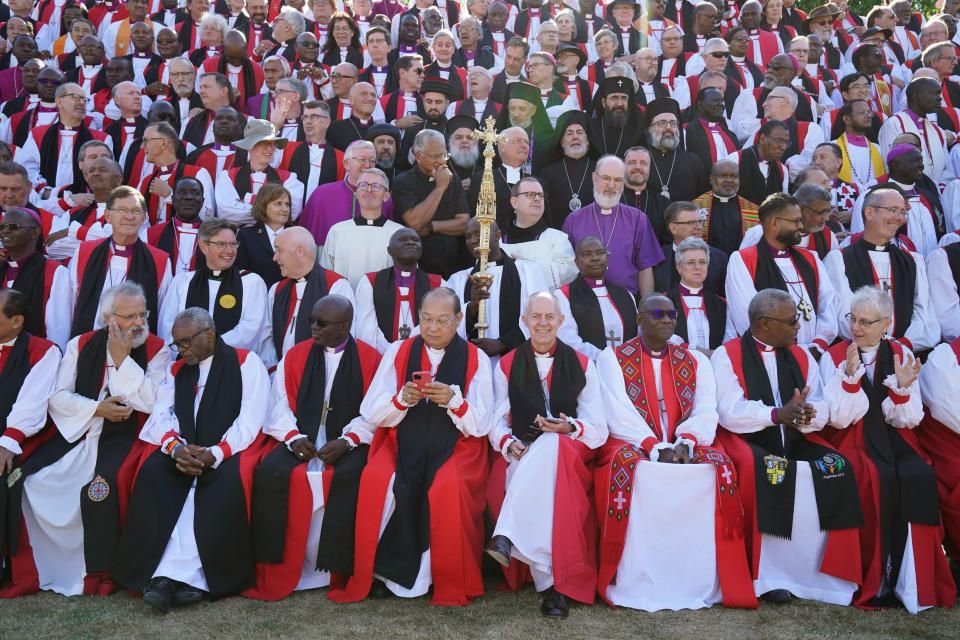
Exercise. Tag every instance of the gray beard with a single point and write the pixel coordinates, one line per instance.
(385, 163)
(658, 141)
(465, 159)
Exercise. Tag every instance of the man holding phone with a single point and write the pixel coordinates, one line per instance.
(427, 465)
(548, 420)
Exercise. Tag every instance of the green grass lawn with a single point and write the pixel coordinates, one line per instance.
(495, 616)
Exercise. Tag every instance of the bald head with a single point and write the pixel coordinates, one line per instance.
(299, 238)
(333, 308)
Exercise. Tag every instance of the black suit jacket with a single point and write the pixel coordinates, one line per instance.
(695, 137)
(255, 254)
(666, 276)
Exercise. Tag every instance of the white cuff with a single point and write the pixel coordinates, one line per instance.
(690, 444)
(350, 443)
(294, 439)
(456, 401)
(10, 445)
(399, 399)
(857, 375)
(217, 454)
(891, 383)
(655, 452)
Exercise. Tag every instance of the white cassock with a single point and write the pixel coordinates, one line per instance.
(281, 422)
(924, 330)
(932, 141)
(792, 564)
(532, 280)
(358, 246)
(551, 250)
(29, 156)
(116, 274)
(379, 407)
(846, 409)
(232, 207)
(526, 517)
(251, 331)
(939, 381)
(950, 199)
(64, 248)
(669, 556)
(28, 415)
(946, 302)
(181, 557)
(569, 333)
(365, 314)
(269, 353)
(51, 505)
(753, 235)
(819, 331)
(58, 311)
(187, 234)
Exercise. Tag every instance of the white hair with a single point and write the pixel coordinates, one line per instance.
(201, 318)
(546, 293)
(283, 62)
(693, 243)
(298, 21)
(127, 289)
(217, 21)
(424, 137)
(875, 298)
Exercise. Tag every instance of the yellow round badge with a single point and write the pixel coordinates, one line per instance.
(228, 301)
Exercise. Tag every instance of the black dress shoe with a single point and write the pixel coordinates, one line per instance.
(159, 594)
(779, 596)
(379, 591)
(185, 595)
(555, 605)
(499, 549)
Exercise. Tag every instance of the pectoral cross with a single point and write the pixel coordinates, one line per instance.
(620, 500)
(324, 412)
(886, 286)
(612, 339)
(404, 331)
(805, 308)
(727, 476)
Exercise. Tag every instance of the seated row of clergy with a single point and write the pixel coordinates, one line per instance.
(186, 531)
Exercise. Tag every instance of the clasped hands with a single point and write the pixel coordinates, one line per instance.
(436, 392)
(329, 453)
(797, 411)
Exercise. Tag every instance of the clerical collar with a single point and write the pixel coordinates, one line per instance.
(722, 198)
(146, 55)
(340, 347)
(777, 253)
(402, 278)
(709, 125)
(376, 69)
(123, 251)
(857, 141)
(692, 291)
(544, 354)
(186, 225)
(64, 127)
(167, 169)
(876, 247)
(596, 284)
(438, 352)
(303, 278)
(917, 120)
(222, 147)
(908, 189)
(215, 275)
(763, 346)
(360, 221)
(16, 263)
(130, 120)
(650, 352)
(741, 60)
(534, 13)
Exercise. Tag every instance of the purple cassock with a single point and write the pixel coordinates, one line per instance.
(332, 203)
(11, 83)
(627, 235)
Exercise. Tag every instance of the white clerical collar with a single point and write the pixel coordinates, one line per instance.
(216, 273)
(904, 186)
(691, 290)
(721, 198)
(406, 274)
(435, 352)
(9, 343)
(606, 212)
(513, 173)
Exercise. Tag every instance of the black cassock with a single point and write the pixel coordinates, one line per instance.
(680, 170)
(607, 140)
(726, 225)
(560, 181)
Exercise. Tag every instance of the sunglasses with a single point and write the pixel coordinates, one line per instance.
(720, 54)
(659, 314)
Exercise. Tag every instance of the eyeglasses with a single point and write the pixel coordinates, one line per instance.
(436, 156)
(822, 212)
(664, 124)
(791, 322)
(143, 315)
(610, 179)
(321, 324)
(339, 29)
(145, 140)
(127, 212)
(181, 74)
(418, 71)
(860, 322)
(660, 314)
(900, 212)
(533, 195)
(49, 82)
(337, 77)
(220, 246)
(183, 345)
(794, 221)
(648, 59)
(13, 227)
(858, 85)
(692, 223)
(78, 98)
(371, 186)
(311, 45)
(720, 54)
(695, 263)
(436, 322)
